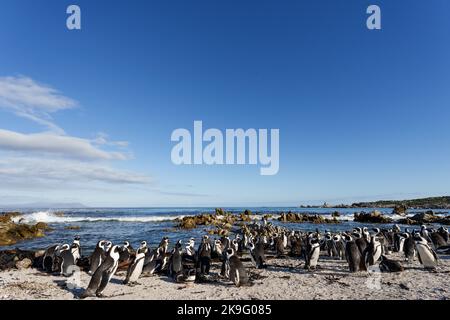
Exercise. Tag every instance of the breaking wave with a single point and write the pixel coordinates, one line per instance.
(51, 217)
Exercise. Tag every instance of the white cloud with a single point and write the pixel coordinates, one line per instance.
(49, 143)
(34, 101)
(41, 161)
(32, 170)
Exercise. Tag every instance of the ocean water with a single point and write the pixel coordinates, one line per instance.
(151, 224)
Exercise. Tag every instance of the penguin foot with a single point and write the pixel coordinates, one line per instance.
(100, 295)
(87, 294)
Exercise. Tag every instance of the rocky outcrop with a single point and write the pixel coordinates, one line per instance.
(302, 218)
(400, 210)
(12, 232)
(220, 218)
(191, 222)
(371, 217)
(426, 218)
(19, 259)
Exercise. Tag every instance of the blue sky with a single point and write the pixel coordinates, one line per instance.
(86, 116)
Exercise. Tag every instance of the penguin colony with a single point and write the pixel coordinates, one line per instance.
(361, 248)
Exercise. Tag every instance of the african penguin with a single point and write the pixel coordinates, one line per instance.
(387, 265)
(373, 252)
(103, 274)
(235, 269)
(135, 269)
(427, 256)
(176, 263)
(257, 254)
(353, 254)
(312, 253)
(204, 255)
(97, 256)
(49, 257)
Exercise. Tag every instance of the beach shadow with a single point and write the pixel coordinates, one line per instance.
(75, 291)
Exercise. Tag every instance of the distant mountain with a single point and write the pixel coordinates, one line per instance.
(424, 203)
(43, 205)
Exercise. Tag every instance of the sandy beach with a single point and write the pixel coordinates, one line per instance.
(284, 279)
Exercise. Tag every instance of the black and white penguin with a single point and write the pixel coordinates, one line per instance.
(235, 269)
(409, 247)
(235, 245)
(365, 234)
(329, 245)
(387, 265)
(204, 255)
(135, 268)
(339, 244)
(373, 252)
(153, 262)
(427, 256)
(49, 257)
(103, 274)
(225, 242)
(97, 256)
(360, 242)
(190, 254)
(217, 250)
(312, 253)
(176, 270)
(353, 254)
(75, 248)
(257, 254)
(126, 252)
(440, 237)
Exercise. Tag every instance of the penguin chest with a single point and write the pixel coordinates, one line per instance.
(137, 270)
(314, 257)
(377, 253)
(426, 256)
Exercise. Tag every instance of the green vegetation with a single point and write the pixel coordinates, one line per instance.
(424, 203)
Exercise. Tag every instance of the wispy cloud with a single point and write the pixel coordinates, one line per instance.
(29, 170)
(34, 101)
(45, 159)
(61, 145)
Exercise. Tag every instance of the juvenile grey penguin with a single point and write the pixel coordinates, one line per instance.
(279, 245)
(176, 263)
(135, 269)
(103, 274)
(387, 265)
(49, 257)
(67, 260)
(235, 269)
(427, 256)
(204, 255)
(353, 254)
(97, 256)
(296, 247)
